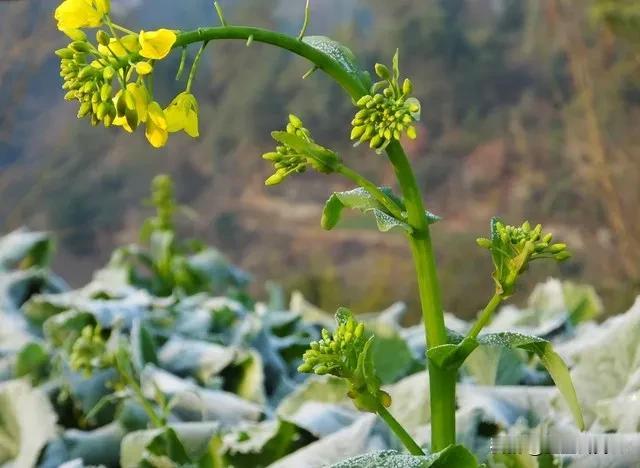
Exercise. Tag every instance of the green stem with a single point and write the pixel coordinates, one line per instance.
(399, 431)
(305, 23)
(374, 190)
(442, 387)
(194, 66)
(485, 315)
(323, 61)
(442, 382)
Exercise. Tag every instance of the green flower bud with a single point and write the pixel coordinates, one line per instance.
(102, 38)
(105, 92)
(357, 132)
(108, 73)
(407, 87)
(382, 71)
(557, 248)
(64, 53)
(80, 46)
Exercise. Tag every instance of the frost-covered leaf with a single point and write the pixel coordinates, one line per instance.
(549, 359)
(259, 444)
(350, 441)
(22, 249)
(606, 367)
(193, 403)
(360, 199)
(553, 308)
(195, 358)
(98, 447)
(320, 406)
(343, 58)
(186, 441)
(27, 423)
(453, 456)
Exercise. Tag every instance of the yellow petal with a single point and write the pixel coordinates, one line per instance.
(191, 126)
(122, 122)
(156, 115)
(156, 135)
(141, 97)
(76, 14)
(75, 34)
(121, 46)
(156, 44)
(175, 118)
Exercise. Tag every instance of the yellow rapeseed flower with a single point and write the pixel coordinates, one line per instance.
(156, 44)
(75, 14)
(121, 46)
(141, 100)
(182, 114)
(156, 131)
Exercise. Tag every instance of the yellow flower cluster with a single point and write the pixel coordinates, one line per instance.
(90, 73)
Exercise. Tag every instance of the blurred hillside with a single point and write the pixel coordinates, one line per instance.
(530, 110)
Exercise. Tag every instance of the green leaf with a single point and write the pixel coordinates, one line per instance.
(361, 199)
(549, 359)
(143, 345)
(182, 443)
(32, 360)
(453, 456)
(452, 356)
(340, 54)
(391, 354)
(259, 444)
(22, 249)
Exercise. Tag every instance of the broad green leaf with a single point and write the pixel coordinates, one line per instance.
(32, 361)
(342, 56)
(453, 456)
(185, 441)
(99, 447)
(361, 199)
(195, 358)
(391, 355)
(348, 442)
(143, 346)
(259, 444)
(549, 359)
(452, 355)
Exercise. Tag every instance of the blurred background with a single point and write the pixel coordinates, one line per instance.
(530, 111)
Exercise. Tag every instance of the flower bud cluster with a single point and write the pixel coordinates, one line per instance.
(88, 83)
(387, 112)
(285, 159)
(347, 354)
(89, 351)
(111, 78)
(513, 247)
(296, 152)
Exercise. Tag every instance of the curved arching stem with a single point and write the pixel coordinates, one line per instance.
(321, 60)
(442, 381)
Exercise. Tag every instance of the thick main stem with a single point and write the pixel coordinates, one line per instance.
(442, 382)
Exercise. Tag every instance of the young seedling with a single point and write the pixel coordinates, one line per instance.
(111, 79)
